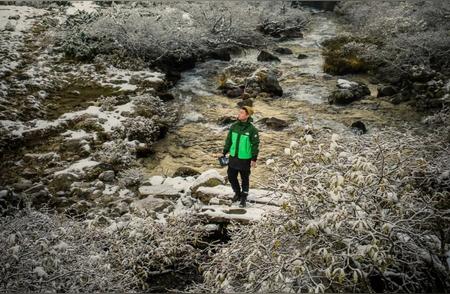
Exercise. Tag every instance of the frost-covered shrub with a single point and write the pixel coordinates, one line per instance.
(52, 253)
(9, 27)
(130, 177)
(177, 31)
(108, 103)
(155, 109)
(440, 122)
(148, 106)
(142, 129)
(406, 33)
(120, 153)
(358, 221)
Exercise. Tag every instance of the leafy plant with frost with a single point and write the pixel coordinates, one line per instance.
(358, 220)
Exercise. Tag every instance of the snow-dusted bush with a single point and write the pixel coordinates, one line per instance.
(440, 122)
(108, 103)
(167, 30)
(119, 153)
(142, 129)
(359, 220)
(130, 177)
(51, 253)
(148, 106)
(406, 33)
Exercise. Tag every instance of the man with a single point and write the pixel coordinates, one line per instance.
(243, 145)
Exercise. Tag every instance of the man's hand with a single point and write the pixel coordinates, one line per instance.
(253, 163)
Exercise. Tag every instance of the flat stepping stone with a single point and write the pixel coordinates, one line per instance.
(159, 191)
(223, 213)
(255, 195)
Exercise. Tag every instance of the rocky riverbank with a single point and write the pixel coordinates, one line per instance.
(128, 153)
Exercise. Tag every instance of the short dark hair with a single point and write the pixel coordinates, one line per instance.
(246, 111)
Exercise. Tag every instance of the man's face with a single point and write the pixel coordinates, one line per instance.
(242, 116)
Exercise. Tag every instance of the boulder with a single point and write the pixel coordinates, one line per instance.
(41, 197)
(226, 214)
(165, 96)
(283, 50)
(107, 176)
(302, 56)
(347, 92)
(159, 191)
(233, 93)
(21, 185)
(259, 196)
(231, 89)
(149, 204)
(358, 127)
(220, 54)
(274, 123)
(179, 183)
(263, 80)
(384, 90)
(185, 171)
(270, 85)
(209, 178)
(266, 56)
(153, 181)
(63, 181)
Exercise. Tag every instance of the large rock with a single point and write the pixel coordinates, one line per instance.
(347, 92)
(149, 204)
(283, 50)
(220, 54)
(209, 178)
(255, 195)
(358, 127)
(63, 181)
(159, 191)
(263, 80)
(384, 90)
(22, 184)
(222, 213)
(274, 123)
(178, 183)
(185, 171)
(107, 176)
(153, 181)
(267, 56)
(231, 89)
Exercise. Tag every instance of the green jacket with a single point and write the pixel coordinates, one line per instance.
(242, 140)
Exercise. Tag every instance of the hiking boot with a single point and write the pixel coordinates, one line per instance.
(237, 197)
(243, 199)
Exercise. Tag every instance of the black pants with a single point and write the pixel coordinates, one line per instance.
(233, 178)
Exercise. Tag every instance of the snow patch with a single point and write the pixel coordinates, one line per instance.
(79, 166)
(86, 6)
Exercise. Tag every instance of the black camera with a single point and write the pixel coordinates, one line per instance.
(223, 160)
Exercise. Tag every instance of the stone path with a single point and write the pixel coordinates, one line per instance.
(207, 195)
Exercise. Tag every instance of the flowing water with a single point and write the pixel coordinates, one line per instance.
(198, 139)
